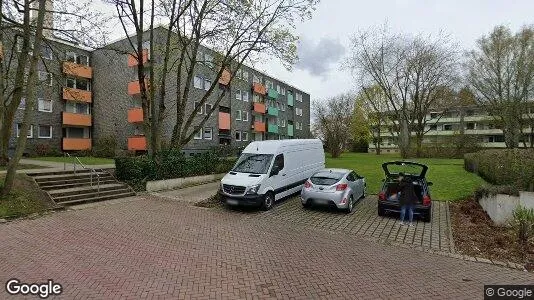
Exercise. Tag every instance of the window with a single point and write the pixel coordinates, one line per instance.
(433, 115)
(256, 98)
(244, 136)
(71, 56)
(277, 122)
(30, 131)
(470, 126)
(283, 122)
(434, 127)
(200, 111)
(298, 97)
(207, 84)
(82, 60)
(44, 105)
(238, 115)
(244, 96)
(245, 116)
(45, 131)
(278, 88)
(208, 60)
(257, 78)
(20, 41)
(238, 135)
(209, 107)
(198, 135)
(82, 84)
(279, 162)
(469, 113)
(46, 52)
(283, 106)
(298, 111)
(70, 83)
(45, 78)
(269, 84)
(282, 91)
(197, 82)
(238, 95)
(447, 127)
(244, 75)
(208, 133)
(22, 104)
(77, 108)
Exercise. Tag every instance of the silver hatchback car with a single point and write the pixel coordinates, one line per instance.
(339, 187)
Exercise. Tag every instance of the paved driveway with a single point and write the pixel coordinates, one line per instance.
(153, 247)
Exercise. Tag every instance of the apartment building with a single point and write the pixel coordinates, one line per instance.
(481, 127)
(87, 95)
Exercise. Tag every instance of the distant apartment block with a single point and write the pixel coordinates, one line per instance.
(477, 124)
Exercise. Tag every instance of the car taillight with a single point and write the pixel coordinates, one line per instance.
(341, 187)
(426, 200)
(382, 196)
(307, 184)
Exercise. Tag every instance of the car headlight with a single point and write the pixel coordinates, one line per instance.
(253, 189)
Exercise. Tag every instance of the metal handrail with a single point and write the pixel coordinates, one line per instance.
(91, 170)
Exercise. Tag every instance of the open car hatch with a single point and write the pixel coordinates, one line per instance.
(406, 167)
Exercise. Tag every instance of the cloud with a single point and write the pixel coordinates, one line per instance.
(318, 58)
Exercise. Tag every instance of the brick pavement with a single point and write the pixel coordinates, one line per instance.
(158, 248)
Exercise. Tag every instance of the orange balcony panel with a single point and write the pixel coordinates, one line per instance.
(77, 95)
(224, 120)
(134, 88)
(137, 143)
(76, 119)
(259, 108)
(132, 58)
(75, 69)
(259, 126)
(76, 144)
(259, 88)
(135, 115)
(225, 77)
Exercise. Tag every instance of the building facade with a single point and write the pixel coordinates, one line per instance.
(86, 95)
(472, 121)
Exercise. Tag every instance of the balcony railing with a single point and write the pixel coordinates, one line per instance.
(137, 143)
(272, 111)
(73, 119)
(224, 120)
(133, 61)
(134, 88)
(272, 128)
(135, 115)
(259, 88)
(77, 95)
(225, 77)
(273, 94)
(259, 126)
(77, 70)
(76, 144)
(259, 108)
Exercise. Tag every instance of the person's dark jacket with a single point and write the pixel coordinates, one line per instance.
(407, 190)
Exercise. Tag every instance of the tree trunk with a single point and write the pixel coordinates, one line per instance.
(404, 138)
(419, 145)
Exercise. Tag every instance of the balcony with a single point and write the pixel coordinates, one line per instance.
(259, 108)
(259, 126)
(72, 119)
(76, 144)
(259, 88)
(134, 88)
(77, 95)
(272, 128)
(135, 115)
(272, 111)
(77, 70)
(225, 77)
(137, 143)
(273, 94)
(289, 129)
(224, 120)
(133, 61)
(290, 99)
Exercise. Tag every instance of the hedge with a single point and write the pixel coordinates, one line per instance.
(513, 167)
(137, 170)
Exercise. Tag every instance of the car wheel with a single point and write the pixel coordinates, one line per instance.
(381, 211)
(364, 191)
(268, 201)
(350, 205)
(306, 204)
(426, 217)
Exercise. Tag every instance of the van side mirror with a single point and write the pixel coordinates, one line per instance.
(430, 183)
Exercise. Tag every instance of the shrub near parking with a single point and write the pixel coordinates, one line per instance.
(504, 167)
(167, 165)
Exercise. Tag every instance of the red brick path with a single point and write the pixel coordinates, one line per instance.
(158, 248)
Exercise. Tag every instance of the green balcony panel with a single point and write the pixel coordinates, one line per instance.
(273, 111)
(272, 128)
(273, 94)
(290, 99)
(289, 130)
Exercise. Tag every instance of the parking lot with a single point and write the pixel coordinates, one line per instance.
(364, 221)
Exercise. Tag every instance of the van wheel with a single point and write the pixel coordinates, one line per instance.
(268, 201)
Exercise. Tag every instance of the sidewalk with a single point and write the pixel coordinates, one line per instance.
(51, 166)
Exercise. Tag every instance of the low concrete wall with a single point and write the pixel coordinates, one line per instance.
(526, 199)
(177, 183)
(499, 207)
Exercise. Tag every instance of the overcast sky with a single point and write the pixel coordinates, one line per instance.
(325, 38)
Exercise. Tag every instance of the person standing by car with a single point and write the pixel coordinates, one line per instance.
(407, 198)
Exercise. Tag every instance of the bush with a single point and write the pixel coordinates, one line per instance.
(105, 147)
(448, 147)
(523, 224)
(168, 164)
(513, 167)
(491, 190)
(44, 150)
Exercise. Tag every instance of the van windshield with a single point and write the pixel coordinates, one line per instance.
(253, 163)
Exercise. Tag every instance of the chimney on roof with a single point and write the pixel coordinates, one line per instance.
(48, 22)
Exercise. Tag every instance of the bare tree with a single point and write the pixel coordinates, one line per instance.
(333, 122)
(410, 71)
(377, 108)
(501, 73)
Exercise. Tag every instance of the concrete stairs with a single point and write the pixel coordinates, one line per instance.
(69, 188)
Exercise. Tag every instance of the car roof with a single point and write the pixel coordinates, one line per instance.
(274, 146)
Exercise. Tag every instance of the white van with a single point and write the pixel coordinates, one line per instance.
(267, 171)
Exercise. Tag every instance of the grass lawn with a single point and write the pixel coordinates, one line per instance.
(25, 198)
(85, 160)
(23, 166)
(451, 181)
